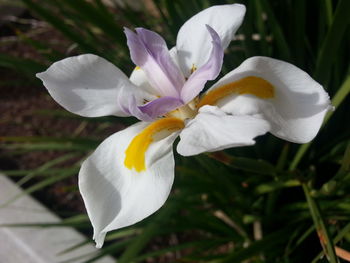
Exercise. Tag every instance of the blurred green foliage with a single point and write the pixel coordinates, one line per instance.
(274, 202)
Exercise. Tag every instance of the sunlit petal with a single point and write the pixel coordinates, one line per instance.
(213, 130)
(208, 71)
(90, 86)
(193, 40)
(116, 196)
(297, 106)
(139, 79)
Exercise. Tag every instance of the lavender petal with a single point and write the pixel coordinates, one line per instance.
(160, 106)
(148, 50)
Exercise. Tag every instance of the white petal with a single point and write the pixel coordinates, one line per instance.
(296, 110)
(194, 41)
(173, 54)
(89, 85)
(139, 78)
(213, 130)
(116, 196)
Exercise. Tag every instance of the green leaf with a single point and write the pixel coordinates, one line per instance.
(61, 26)
(40, 185)
(273, 186)
(50, 146)
(281, 42)
(245, 164)
(322, 230)
(332, 42)
(46, 166)
(99, 17)
(201, 245)
(339, 237)
(261, 246)
(26, 66)
(149, 232)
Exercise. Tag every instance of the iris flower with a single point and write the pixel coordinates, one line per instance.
(130, 174)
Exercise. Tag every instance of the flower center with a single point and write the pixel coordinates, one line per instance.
(252, 85)
(188, 111)
(174, 120)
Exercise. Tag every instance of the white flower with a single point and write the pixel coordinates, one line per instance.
(130, 174)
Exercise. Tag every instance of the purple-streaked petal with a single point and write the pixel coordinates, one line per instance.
(129, 106)
(193, 41)
(148, 50)
(148, 112)
(209, 71)
(158, 49)
(160, 106)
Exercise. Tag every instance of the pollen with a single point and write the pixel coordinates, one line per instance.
(249, 85)
(136, 151)
(193, 69)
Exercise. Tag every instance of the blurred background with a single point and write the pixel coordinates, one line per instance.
(273, 202)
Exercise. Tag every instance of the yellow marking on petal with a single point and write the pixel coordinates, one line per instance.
(248, 85)
(137, 68)
(135, 153)
(193, 69)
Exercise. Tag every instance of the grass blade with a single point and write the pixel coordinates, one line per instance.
(149, 231)
(281, 42)
(333, 39)
(61, 26)
(322, 230)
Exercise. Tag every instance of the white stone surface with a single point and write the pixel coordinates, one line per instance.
(33, 244)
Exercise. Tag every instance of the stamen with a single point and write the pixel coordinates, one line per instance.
(135, 153)
(185, 112)
(193, 69)
(248, 85)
